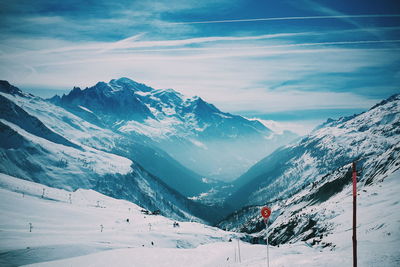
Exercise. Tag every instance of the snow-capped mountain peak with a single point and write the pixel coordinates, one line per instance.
(128, 84)
(189, 128)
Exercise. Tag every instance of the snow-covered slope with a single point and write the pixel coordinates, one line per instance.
(308, 186)
(320, 216)
(196, 133)
(68, 224)
(44, 143)
(83, 132)
(372, 138)
(85, 228)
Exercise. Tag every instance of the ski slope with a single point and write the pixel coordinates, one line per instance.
(67, 232)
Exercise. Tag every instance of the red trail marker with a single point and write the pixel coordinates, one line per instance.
(265, 213)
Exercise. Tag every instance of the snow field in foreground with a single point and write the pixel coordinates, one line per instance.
(66, 234)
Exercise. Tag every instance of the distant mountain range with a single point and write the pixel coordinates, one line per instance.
(42, 142)
(133, 142)
(129, 141)
(213, 143)
(164, 151)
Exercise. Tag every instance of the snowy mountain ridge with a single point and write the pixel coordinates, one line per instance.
(151, 107)
(308, 185)
(191, 130)
(366, 137)
(45, 143)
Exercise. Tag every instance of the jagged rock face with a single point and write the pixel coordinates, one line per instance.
(7, 88)
(111, 102)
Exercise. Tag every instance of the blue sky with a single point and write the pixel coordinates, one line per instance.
(291, 61)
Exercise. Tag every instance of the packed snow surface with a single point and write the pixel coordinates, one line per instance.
(86, 228)
(101, 161)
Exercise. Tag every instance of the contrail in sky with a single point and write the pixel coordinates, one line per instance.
(291, 18)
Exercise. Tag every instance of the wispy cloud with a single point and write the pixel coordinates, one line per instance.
(133, 44)
(118, 44)
(252, 76)
(347, 18)
(268, 47)
(294, 62)
(336, 15)
(300, 127)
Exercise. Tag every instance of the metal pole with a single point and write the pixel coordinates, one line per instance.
(266, 224)
(234, 248)
(354, 215)
(240, 258)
